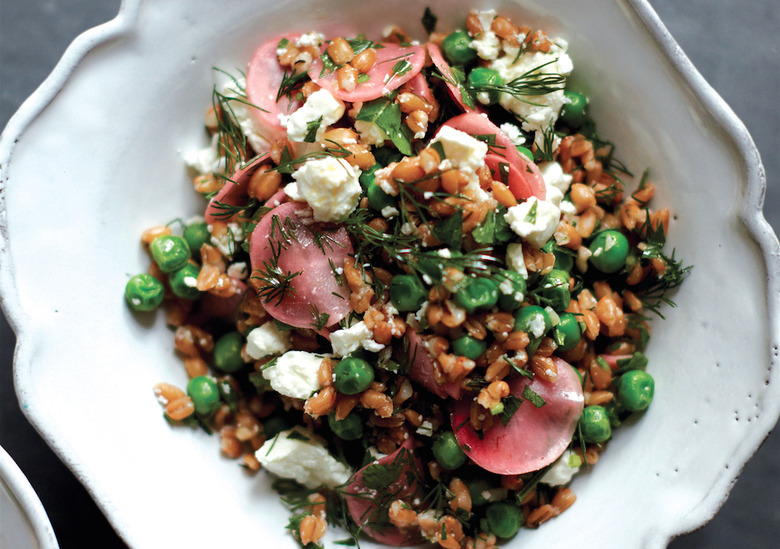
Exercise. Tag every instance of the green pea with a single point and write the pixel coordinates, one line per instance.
(204, 394)
(349, 428)
(555, 289)
(170, 252)
(504, 519)
(482, 77)
(533, 320)
(456, 48)
(407, 293)
(182, 282)
(227, 392)
(515, 284)
(367, 177)
(227, 352)
(379, 199)
(574, 111)
(567, 333)
(635, 390)
(196, 236)
(609, 250)
(353, 375)
(525, 152)
(595, 425)
(144, 292)
(476, 294)
(469, 347)
(448, 452)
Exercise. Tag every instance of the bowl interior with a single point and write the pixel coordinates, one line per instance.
(104, 161)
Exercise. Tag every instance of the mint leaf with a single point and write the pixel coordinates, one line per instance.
(511, 404)
(379, 477)
(311, 130)
(450, 230)
(637, 361)
(429, 20)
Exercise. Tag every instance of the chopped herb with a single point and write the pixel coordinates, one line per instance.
(387, 115)
(379, 476)
(530, 217)
(637, 361)
(511, 404)
(402, 67)
(533, 397)
(320, 319)
(429, 20)
(450, 230)
(363, 78)
(311, 130)
(297, 435)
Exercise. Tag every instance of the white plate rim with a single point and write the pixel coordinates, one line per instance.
(750, 214)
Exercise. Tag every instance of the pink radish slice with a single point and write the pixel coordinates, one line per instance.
(361, 499)
(534, 437)
(315, 290)
(263, 79)
(233, 193)
(514, 180)
(419, 87)
(477, 125)
(435, 52)
(381, 78)
(279, 197)
(423, 371)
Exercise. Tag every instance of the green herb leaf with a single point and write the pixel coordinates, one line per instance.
(533, 397)
(387, 115)
(450, 230)
(530, 217)
(429, 20)
(379, 476)
(637, 361)
(511, 404)
(311, 130)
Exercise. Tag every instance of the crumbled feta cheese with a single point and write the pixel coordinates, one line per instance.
(390, 211)
(555, 181)
(425, 429)
(513, 133)
(408, 228)
(568, 208)
(298, 454)
(487, 43)
(445, 253)
(294, 374)
(238, 270)
(460, 150)
(267, 340)
(329, 185)
(515, 260)
(382, 178)
(207, 159)
(537, 112)
(348, 340)
(536, 326)
(226, 243)
(320, 106)
(535, 227)
(369, 133)
(562, 471)
(506, 287)
(312, 38)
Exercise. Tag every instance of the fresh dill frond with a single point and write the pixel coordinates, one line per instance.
(531, 83)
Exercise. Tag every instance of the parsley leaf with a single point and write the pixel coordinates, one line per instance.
(311, 130)
(450, 230)
(429, 20)
(493, 228)
(511, 404)
(533, 397)
(379, 477)
(387, 115)
(637, 361)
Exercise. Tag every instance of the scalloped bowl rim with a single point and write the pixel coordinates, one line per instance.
(750, 214)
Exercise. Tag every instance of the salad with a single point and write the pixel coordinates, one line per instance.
(418, 293)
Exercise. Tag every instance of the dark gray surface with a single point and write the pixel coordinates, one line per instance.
(735, 45)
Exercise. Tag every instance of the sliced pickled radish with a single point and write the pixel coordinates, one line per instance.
(449, 80)
(423, 370)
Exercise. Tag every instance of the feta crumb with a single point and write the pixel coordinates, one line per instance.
(506, 287)
(267, 340)
(320, 105)
(329, 185)
(425, 429)
(445, 253)
(242, 112)
(408, 228)
(348, 340)
(562, 471)
(461, 150)
(369, 133)
(538, 112)
(535, 228)
(513, 133)
(294, 374)
(515, 260)
(238, 270)
(226, 243)
(312, 38)
(390, 211)
(298, 454)
(207, 159)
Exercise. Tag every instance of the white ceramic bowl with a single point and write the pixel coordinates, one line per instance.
(94, 157)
